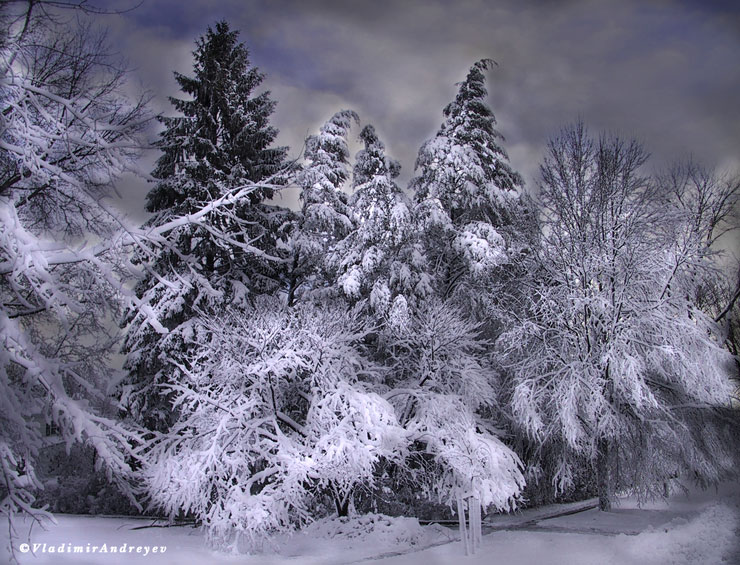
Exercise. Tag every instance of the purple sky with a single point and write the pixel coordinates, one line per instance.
(666, 72)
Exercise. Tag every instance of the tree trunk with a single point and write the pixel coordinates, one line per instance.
(293, 285)
(604, 475)
(342, 505)
(461, 521)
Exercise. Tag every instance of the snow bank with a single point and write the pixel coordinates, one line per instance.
(700, 529)
(364, 536)
(705, 532)
(709, 538)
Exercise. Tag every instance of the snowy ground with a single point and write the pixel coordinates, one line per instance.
(702, 528)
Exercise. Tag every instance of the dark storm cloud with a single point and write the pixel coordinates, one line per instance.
(664, 72)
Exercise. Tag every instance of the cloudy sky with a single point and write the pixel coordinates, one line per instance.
(664, 71)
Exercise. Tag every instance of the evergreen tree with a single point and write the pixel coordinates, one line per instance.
(220, 144)
(223, 137)
(469, 197)
(326, 216)
(380, 261)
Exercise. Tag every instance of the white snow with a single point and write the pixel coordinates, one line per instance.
(699, 528)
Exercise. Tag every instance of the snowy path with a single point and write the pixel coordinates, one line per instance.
(702, 528)
(531, 516)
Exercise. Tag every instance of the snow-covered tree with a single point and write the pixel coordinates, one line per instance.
(277, 412)
(219, 144)
(279, 406)
(728, 296)
(285, 408)
(468, 196)
(613, 359)
(66, 134)
(707, 208)
(443, 386)
(326, 216)
(381, 260)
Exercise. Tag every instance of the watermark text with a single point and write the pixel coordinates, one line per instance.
(89, 548)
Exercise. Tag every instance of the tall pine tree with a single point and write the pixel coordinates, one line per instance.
(469, 197)
(219, 144)
(326, 216)
(474, 225)
(379, 261)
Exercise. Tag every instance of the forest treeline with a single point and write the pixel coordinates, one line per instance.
(458, 343)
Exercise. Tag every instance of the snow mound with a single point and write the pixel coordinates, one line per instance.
(372, 529)
(709, 538)
(343, 540)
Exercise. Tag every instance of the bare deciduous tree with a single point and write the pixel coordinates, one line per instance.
(66, 134)
(615, 358)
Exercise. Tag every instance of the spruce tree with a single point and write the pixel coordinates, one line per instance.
(380, 261)
(469, 197)
(325, 216)
(223, 137)
(476, 230)
(464, 165)
(377, 200)
(220, 143)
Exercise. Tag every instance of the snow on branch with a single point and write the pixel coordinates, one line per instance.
(274, 411)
